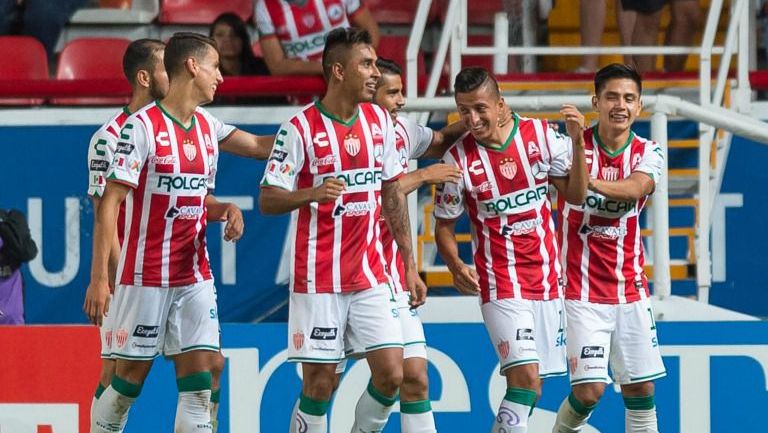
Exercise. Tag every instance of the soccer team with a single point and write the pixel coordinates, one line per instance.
(339, 166)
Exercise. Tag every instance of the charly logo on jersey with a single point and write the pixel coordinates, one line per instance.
(185, 212)
(352, 144)
(476, 167)
(208, 143)
(516, 202)
(603, 232)
(609, 173)
(353, 209)
(190, 149)
(521, 227)
(162, 139)
(320, 139)
(508, 168)
(533, 149)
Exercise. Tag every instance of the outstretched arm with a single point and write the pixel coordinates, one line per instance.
(635, 187)
(435, 173)
(275, 200)
(248, 145)
(443, 139)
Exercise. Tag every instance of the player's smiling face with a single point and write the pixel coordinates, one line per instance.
(208, 75)
(389, 94)
(618, 103)
(360, 73)
(479, 110)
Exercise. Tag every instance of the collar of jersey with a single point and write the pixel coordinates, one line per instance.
(336, 119)
(127, 111)
(175, 120)
(596, 135)
(509, 139)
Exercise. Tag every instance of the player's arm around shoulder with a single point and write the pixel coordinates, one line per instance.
(245, 144)
(640, 183)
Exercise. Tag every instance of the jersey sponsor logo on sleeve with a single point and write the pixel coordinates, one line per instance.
(449, 199)
(99, 165)
(352, 144)
(524, 334)
(286, 169)
(324, 333)
(517, 202)
(124, 148)
(97, 180)
(146, 331)
(508, 168)
(278, 155)
(592, 352)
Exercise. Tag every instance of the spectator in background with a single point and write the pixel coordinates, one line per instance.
(236, 56)
(41, 19)
(16, 247)
(683, 26)
(292, 32)
(592, 25)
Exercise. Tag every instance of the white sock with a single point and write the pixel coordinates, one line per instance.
(571, 416)
(417, 417)
(215, 395)
(110, 411)
(372, 411)
(514, 410)
(193, 410)
(641, 415)
(309, 416)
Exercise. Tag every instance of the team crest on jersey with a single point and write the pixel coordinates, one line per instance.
(352, 144)
(503, 347)
(508, 168)
(121, 337)
(298, 340)
(190, 150)
(609, 173)
(308, 20)
(533, 149)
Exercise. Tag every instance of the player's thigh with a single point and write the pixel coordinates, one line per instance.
(193, 321)
(139, 321)
(550, 324)
(511, 327)
(106, 329)
(414, 342)
(636, 356)
(317, 323)
(589, 330)
(374, 320)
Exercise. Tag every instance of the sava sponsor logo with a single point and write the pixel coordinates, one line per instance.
(607, 205)
(162, 160)
(304, 46)
(521, 227)
(124, 148)
(592, 352)
(185, 183)
(278, 155)
(524, 334)
(516, 202)
(146, 331)
(99, 165)
(322, 162)
(355, 208)
(323, 333)
(185, 212)
(605, 232)
(354, 178)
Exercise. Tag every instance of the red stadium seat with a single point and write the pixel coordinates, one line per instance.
(25, 60)
(202, 11)
(399, 12)
(394, 47)
(92, 58)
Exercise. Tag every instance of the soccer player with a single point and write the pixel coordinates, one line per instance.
(506, 172)
(608, 311)
(335, 167)
(164, 168)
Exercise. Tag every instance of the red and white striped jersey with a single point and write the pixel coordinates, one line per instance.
(600, 240)
(411, 141)
(506, 193)
(301, 28)
(336, 246)
(101, 151)
(171, 168)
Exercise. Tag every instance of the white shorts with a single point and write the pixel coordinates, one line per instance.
(525, 331)
(149, 321)
(622, 335)
(320, 324)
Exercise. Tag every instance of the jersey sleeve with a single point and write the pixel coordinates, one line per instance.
(560, 152)
(421, 138)
(449, 197)
(391, 168)
(286, 159)
(130, 154)
(101, 151)
(352, 7)
(652, 162)
(223, 130)
(263, 20)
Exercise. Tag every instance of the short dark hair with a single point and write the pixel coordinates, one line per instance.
(182, 46)
(139, 56)
(614, 71)
(387, 66)
(338, 43)
(471, 79)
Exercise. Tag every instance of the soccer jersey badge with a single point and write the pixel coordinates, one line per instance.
(610, 173)
(121, 337)
(298, 340)
(190, 150)
(352, 144)
(508, 168)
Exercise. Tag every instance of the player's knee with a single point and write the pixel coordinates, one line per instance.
(589, 394)
(524, 376)
(642, 389)
(107, 371)
(217, 364)
(415, 385)
(388, 380)
(319, 387)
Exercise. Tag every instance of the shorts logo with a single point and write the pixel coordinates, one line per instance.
(108, 337)
(146, 331)
(524, 334)
(298, 340)
(508, 168)
(121, 337)
(324, 333)
(573, 363)
(592, 352)
(503, 347)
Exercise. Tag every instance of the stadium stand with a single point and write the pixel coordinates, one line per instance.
(202, 11)
(92, 58)
(29, 63)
